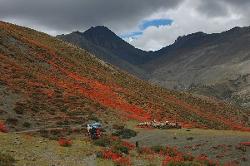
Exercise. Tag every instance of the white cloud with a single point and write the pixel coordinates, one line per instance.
(188, 18)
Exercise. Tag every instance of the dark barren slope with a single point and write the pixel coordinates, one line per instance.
(107, 46)
(45, 79)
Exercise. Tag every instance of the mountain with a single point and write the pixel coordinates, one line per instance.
(208, 64)
(47, 82)
(106, 45)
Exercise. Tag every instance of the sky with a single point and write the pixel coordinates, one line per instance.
(146, 24)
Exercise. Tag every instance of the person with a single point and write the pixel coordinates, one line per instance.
(88, 128)
(137, 144)
(98, 133)
(93, 133)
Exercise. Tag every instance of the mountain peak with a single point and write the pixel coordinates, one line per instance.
(99, 31)
(99, 28)
(192, 36)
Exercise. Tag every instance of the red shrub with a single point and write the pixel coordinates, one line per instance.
(146, 150)
(115, 138)
(123, 161)
(129, 145)
(172, 151)
(188, 157)
(108, 154)
(117, 158)
(175, 159)
(231, 163)
(3, 128)
(201, 157)
(245, 143)
(166, 161)
(205, 160)
(65, 142)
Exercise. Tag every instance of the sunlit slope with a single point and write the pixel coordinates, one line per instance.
(45, 78)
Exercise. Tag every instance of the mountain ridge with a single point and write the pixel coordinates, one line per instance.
(113, 52)
(180, 65)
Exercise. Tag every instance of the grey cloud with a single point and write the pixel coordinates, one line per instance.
(122, 16)
(68, 15)
(220, 8)
(213, 8)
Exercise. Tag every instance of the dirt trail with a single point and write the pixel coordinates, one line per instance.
(48, 129)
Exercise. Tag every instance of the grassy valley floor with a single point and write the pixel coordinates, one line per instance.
(219, 145)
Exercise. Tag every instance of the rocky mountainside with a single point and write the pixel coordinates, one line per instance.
(47, 82)
(107, 46)
(208, 64)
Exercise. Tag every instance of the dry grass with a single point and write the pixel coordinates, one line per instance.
(29, 150)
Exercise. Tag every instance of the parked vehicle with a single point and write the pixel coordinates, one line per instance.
(94, 130)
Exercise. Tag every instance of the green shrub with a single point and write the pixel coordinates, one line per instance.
(26, 124)
(6, 160)
(99, 154)
(183, 163)
(44, 133)
(121, 149)
(157, 148)
(12, 121)
(118, 127)
(104, 141)
(125, 133)
(94, 118)
(190, 138)
(18, 111)
(188, 157)
(54, 137)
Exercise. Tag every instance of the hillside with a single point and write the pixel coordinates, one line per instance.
(47, 82)
(208, 64)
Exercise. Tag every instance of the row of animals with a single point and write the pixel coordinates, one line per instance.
(160, 125)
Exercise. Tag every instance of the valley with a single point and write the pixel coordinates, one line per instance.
(51, 89)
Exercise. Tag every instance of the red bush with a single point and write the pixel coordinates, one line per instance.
(123, 161)
(202, 157)
(245, 143)
(65, 142)
(205, 160)
(174, 156)
(115, 138)
(117, 158)
(176, 159)
(166, 161)
(146, 150)
(3, 128)
(109, 154)
(129, 145)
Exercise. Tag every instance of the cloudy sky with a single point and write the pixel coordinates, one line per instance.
(146, 24)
